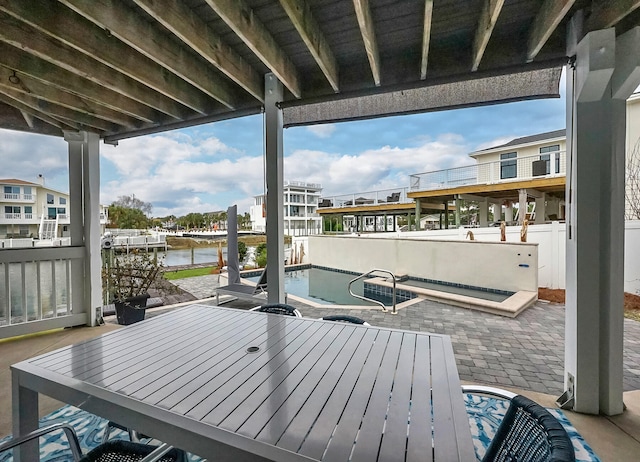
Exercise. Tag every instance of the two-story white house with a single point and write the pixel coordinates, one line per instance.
(32, 210)
(24, 205)
(300, 209)
(527, 173)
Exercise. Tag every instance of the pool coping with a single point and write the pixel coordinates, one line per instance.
(511, 307)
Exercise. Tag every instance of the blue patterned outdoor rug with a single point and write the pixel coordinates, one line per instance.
(89, 428)
(485, 415)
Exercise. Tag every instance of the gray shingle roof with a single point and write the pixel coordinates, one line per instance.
(530, 139)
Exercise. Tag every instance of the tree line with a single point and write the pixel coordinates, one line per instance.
(129, 212)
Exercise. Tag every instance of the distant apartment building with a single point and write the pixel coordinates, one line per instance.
(300, 209)
(33, 210)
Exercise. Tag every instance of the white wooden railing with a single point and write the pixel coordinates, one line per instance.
(37, 287)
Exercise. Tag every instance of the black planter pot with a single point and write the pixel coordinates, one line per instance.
(131, 310)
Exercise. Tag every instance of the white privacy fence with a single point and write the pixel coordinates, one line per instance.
(551, 240)
(37, 290)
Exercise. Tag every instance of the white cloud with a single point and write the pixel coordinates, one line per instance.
(323, 130)
(24, 156)
(383, 168)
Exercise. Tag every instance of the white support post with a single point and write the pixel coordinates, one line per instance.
(275, 187)
(458, 203)
(541, 209)
(76, 226)
(508, 212)
(596, 121)
(84, 196)
(522, 205)
(483, 211)
(418, 211)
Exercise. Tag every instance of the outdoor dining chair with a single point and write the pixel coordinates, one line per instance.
(527, 432)
(113, 450)
(346, 318)
(278, 308)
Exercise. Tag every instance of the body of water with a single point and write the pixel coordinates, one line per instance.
(191, 256)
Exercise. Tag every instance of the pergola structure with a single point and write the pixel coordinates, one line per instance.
(112, 69)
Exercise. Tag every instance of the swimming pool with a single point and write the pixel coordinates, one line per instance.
(326, 286)
(329, 286)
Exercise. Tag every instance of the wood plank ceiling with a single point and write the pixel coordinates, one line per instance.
(128, 67)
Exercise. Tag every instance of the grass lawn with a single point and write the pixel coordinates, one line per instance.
(188, 273)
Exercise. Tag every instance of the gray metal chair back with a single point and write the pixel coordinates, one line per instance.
(278, 308)
(529, 433)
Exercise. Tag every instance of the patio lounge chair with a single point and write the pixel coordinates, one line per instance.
(119, 450)
(346, 318)
(278, 308)
(244, 291)
(527, 432)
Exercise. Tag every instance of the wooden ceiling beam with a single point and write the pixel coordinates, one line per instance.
(104, 57)
(487, 21)
(299, 13)
(54, 95)
(186, 25)
(58, 112)
(365, 22)
(608, 14)
(50, 74)
(426, 38)
(35, 113)
(240, 18)
(550, 15)
(148, 40)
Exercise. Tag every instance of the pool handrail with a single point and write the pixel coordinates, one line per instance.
(361, 297)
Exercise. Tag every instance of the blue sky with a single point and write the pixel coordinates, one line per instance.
(210, 167)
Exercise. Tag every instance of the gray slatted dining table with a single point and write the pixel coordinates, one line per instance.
(237, 385)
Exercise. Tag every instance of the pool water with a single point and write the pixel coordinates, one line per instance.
(469, 292)
(325, 287)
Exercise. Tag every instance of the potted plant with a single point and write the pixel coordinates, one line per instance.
(126, 280)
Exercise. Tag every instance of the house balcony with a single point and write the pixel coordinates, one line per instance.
(18, 219)
(540, 166)
(18, 198)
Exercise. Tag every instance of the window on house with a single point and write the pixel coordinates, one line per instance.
(11, 209)
(26, 190)
(24, 230)
(63, 201)
(62, 211)
(28, 211)
(547, 157)
(508, 165)
(49, 198)
(51, 213)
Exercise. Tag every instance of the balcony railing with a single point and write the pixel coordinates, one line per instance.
(501, 171)
(19, 197)
(384, 196)
(36, 289)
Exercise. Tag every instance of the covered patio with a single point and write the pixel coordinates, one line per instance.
(109, 70)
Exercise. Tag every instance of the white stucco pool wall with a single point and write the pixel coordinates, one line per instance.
(506, 266)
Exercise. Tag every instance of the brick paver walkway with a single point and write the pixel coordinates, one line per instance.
(526, 352)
